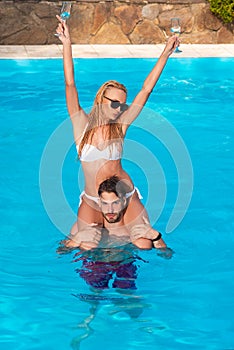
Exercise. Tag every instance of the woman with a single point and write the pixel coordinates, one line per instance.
(99, 139)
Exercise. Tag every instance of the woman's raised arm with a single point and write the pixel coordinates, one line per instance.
(72, 99)
(149, 83)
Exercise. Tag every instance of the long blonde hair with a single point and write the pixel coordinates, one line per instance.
(96, 116)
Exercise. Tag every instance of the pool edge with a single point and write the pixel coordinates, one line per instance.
(114, 51)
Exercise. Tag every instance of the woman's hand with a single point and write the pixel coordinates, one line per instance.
(172, 43)
(62, 31)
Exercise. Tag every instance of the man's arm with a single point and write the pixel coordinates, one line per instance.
(143, 243)
(88, 238)
(158, 242)
(143, 240)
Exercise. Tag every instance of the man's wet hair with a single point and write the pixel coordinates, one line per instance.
(115, 185)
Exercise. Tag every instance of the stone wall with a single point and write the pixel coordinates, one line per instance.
(111, 22)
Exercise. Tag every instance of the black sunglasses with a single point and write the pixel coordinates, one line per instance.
(116, 104)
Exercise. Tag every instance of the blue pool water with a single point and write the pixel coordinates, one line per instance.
(179, 303)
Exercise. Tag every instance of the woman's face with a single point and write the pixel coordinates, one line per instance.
(114, 103)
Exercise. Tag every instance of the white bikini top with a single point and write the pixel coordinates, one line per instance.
(90, 153)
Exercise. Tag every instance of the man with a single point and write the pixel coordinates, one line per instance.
(113, 203)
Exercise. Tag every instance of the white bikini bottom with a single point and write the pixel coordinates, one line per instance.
(96, 199)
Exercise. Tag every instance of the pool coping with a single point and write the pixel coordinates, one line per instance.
(114, 51)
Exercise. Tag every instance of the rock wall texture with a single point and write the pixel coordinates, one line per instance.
(111, 22)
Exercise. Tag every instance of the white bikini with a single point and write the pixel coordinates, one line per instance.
(91, 153)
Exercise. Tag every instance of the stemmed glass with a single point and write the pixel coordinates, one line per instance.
(175, 29)
(65, 12)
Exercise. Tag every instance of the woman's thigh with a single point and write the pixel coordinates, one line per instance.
(88, 214)
(136, 213)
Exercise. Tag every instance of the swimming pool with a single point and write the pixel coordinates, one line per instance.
(185, 302)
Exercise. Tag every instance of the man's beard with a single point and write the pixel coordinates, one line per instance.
(116, 218)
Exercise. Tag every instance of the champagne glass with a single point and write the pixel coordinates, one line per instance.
(175, 29)
(65, 12)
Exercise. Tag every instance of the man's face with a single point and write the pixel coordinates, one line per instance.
(111, 207)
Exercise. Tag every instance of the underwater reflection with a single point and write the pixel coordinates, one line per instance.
(104, 269)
